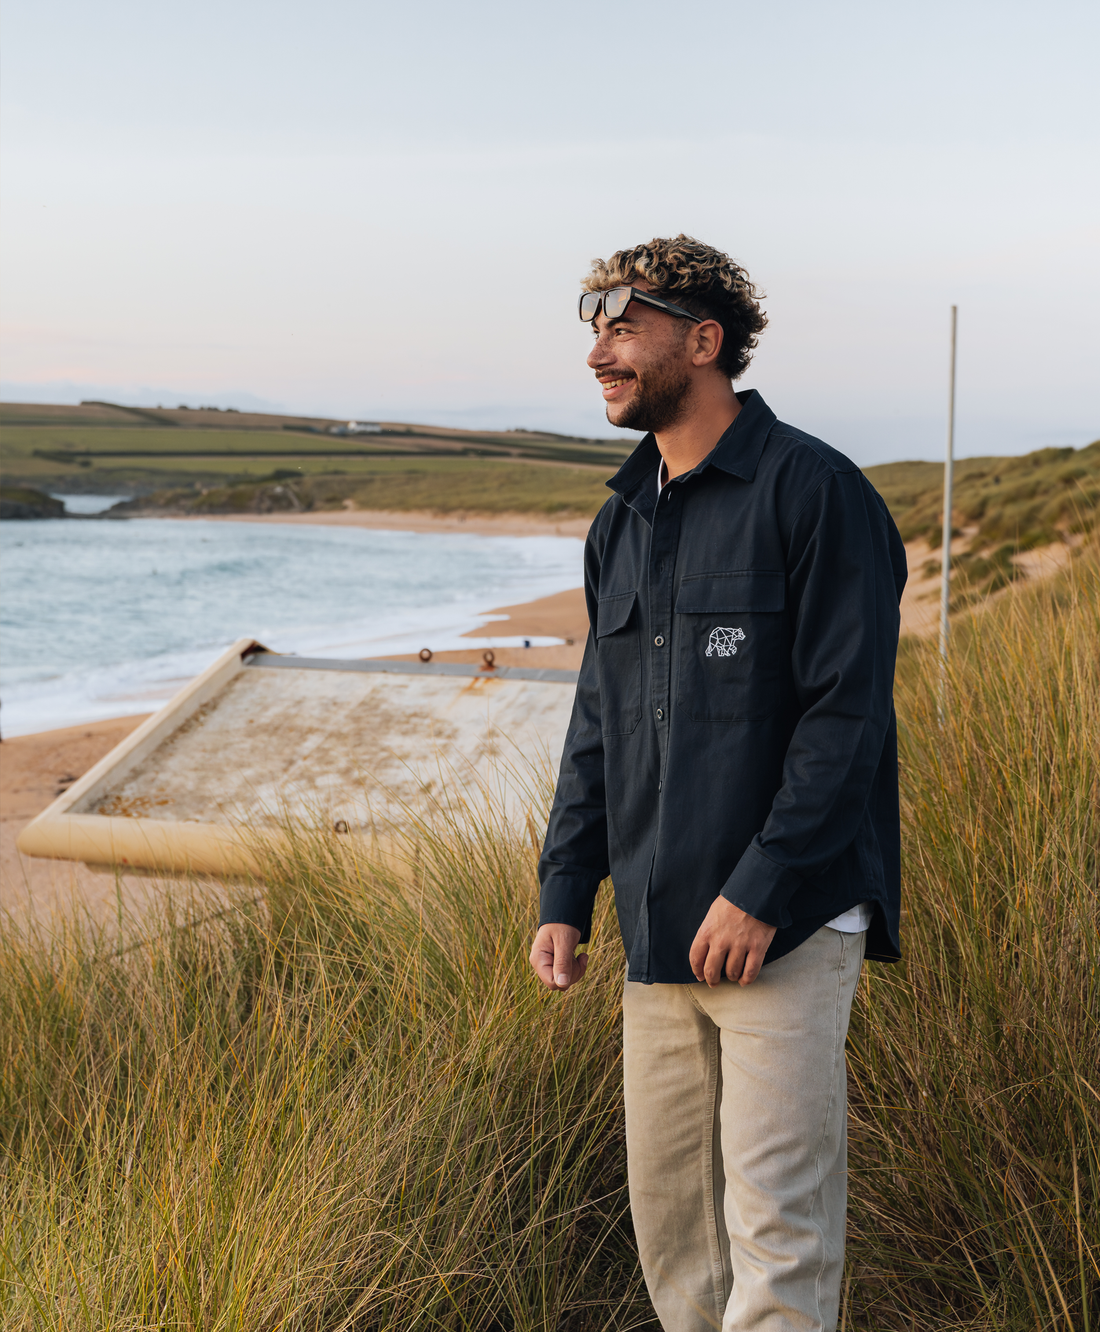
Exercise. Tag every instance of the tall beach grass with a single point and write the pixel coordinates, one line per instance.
(976, 1066)
(344, 1103)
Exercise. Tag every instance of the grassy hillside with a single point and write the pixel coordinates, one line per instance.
(112, 450)
(1027, 501)
(1004, 506)
(226, 462)
(442, 485)
(342, 1102)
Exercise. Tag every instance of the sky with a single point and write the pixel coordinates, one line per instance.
(383, 211)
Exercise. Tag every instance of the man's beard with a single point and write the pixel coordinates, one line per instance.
(657, 403)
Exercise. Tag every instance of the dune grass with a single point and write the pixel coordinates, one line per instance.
(343, 1102)
(976, 1067)
(1025, 501)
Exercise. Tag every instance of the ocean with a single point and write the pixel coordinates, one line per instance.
(103, 619)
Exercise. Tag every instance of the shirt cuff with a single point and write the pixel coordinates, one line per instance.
(567, 901)
(762, 888)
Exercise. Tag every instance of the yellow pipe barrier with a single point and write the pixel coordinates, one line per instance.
(148, 844)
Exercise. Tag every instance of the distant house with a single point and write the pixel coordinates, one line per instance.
(356, 428)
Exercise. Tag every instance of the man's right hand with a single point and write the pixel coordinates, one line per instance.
(552, 956)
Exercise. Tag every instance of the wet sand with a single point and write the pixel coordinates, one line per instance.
(412, 520)
(564, 615)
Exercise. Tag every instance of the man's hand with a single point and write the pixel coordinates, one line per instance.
(552, 956)
(732, 941)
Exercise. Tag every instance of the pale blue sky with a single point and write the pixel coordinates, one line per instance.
(383, 211)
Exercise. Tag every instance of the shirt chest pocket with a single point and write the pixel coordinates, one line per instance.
(734, 644)
(619, 663)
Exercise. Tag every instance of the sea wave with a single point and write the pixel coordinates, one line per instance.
(104, 619)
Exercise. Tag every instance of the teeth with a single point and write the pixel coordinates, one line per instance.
(612, 383)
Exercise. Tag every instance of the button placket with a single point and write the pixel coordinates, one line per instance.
(664, 536)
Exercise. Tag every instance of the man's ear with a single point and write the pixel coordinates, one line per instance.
(708, 342)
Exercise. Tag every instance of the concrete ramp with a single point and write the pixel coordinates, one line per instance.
(260, 740)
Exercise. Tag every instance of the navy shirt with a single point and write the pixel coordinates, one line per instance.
(733, 730)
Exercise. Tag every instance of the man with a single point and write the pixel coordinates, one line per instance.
(732, 763)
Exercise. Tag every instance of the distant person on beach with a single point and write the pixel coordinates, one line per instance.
(732, 764)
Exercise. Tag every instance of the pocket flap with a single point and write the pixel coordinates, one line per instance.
(613, 612)
(739, 590)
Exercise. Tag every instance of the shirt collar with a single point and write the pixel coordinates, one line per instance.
(737, 452)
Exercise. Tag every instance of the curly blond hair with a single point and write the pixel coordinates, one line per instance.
(702, 280)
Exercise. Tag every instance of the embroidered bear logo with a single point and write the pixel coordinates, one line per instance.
(724, 641)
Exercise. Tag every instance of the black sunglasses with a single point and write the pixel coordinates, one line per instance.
(615, 301)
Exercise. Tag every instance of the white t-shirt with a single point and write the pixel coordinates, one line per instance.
(856, 919)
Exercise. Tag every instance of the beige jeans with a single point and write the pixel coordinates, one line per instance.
(736, 1136)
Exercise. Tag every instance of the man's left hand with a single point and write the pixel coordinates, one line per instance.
(729, 941)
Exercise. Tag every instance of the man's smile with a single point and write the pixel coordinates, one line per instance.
(612, 384)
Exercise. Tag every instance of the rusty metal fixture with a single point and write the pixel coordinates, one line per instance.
(488, 658)
(425, 654)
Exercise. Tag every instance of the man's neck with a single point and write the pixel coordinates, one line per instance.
(711, 410)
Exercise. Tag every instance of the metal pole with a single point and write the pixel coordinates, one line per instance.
(948, 482)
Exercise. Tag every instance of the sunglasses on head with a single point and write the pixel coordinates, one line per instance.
(615, 301)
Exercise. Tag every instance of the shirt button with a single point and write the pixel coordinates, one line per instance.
(660, 714)
(659, 641)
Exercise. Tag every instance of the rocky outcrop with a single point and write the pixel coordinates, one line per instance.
(268, 496)
(26, 502)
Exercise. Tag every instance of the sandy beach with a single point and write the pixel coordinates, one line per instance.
(34, 771)
(412, 520)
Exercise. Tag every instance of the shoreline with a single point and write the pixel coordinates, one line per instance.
(400, 520)
(39, 764)
(561, 615)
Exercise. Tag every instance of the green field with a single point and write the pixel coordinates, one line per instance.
(103, 450)
(340, 1102)
(213, 462)
(223, 462)
(442, 485)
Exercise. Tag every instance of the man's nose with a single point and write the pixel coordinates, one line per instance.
(599, 355)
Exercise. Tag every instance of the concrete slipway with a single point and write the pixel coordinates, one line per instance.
(259, 740)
